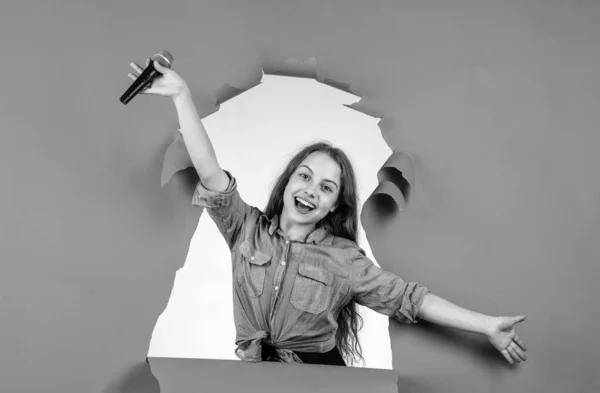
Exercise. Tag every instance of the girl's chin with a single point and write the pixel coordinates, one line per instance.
(303, 217)
(300, 216)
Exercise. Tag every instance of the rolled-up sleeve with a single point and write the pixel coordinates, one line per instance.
(227, 209)
(385, 292)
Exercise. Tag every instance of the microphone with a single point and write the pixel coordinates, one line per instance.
(164, 58)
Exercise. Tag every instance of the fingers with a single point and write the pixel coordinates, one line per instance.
(518, 351)
(134, 77)
(160, 68)
(507, 356)
(136, 67)
(139, 70)
(514, 353)
(157, 66)
(145, 89)
(520, 343)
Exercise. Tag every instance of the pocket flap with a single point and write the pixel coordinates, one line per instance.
(316, 273)
(252, 255)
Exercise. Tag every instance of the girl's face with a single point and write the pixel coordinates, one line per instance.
(312, 190)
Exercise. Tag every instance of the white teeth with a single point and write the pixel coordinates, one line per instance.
(305, 203)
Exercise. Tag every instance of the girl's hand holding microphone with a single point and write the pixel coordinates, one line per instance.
(168, 84)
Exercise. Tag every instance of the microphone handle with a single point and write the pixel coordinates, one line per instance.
(141, 81)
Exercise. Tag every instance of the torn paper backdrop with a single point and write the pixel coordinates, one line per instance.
(497, 102)
(185, 375)
(254, 135)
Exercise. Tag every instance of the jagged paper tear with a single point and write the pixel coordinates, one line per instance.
(176, 159)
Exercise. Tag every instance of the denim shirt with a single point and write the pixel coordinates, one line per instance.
(287, 293)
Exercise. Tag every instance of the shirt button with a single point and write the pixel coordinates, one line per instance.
(283, 263)
(276, 288)
(287, 242)
(251, 258)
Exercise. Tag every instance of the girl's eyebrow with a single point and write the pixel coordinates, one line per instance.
(311, 171)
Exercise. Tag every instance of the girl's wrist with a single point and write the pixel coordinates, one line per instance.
(183, 95)
(488, 325)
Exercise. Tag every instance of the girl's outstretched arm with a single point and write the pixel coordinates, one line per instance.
(499, 330)
(408, 302)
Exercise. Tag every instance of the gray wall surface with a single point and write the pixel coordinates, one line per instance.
(497, 101)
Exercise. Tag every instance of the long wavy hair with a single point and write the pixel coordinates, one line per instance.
(342, 222)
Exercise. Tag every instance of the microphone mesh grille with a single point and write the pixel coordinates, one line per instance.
(163, 57)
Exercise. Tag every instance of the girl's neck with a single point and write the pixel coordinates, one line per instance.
(295, 232)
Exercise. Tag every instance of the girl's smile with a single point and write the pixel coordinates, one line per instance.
(303, 206)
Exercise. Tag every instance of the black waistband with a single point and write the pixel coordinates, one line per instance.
(333, 357)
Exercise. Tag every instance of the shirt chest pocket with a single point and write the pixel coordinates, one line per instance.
(312, 289)
(252, 270)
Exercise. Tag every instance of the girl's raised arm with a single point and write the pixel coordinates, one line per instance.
(196, 140)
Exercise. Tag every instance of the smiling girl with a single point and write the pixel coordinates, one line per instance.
(298, 273)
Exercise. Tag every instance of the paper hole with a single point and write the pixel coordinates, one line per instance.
(254, 135)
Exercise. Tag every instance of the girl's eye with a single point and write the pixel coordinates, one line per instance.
(327, 188)
(304, 176)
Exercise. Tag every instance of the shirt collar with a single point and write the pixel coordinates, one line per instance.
(318, 236)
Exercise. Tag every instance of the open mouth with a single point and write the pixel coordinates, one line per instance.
(303, 206)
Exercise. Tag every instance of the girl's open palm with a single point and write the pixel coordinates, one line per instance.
(502, 335)
(169, 84)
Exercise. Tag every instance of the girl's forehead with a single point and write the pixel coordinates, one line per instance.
(319, 158)
(322, 164)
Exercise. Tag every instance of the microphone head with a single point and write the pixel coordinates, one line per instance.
(163, 57)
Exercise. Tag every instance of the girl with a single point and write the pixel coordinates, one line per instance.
(298, 273)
